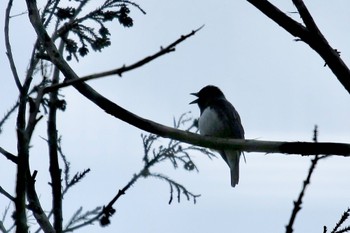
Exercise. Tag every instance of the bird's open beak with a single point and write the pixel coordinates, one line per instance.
(196, 100)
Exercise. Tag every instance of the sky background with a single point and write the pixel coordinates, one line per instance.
(279, 86)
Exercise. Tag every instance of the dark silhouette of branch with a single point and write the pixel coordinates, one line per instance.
(310, 34)
(180, 189)
(6, 194)
(2, 227)
(8, 155)
(303, 148)
(341, 221)
(69, 183)
(79, 216)
(306, 17)
(24, 134)
(23, 161)
(55, 171)
(119, 71)
(7, 115)
(106, 212)
(299, 202)
(175, 152)
(34, 205)
(8, 46)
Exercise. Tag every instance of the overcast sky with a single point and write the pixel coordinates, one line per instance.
(280, 88)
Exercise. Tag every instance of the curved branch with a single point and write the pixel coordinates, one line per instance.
(303, 148)
(119, 71)
(309, 34)
(8, 46)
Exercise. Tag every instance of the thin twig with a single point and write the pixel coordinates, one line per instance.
(123, 69)
(6, 194)
(298, 203)
(8, 46)
(342, 219)
(107, 210)
(2, 228)
(306, 17)
(7, 115)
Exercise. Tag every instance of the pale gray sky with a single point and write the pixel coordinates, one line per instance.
(279, 87)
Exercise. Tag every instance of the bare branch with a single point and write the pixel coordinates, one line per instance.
(55, 171)
(298, 203)
(309, 34)
(8, 155)
(85, 218)
(34, 205)
(303, 148)
(23, 161)
(180, 189)
(8, 46)
(342, 219)
(6, 194)
(123, 69)
(7, 115)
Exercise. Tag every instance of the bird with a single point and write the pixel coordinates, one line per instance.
(218, 118)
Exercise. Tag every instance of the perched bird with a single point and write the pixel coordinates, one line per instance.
(220, 119)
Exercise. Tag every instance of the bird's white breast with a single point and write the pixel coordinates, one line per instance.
(209, 123)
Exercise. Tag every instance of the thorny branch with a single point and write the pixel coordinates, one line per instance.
(298, 203)
(345, 216)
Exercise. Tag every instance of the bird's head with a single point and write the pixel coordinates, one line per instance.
(206, 95)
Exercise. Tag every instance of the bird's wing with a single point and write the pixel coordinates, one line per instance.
(227, 113)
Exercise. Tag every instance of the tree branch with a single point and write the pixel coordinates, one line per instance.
(6, 194)
(298, 203)
(303, 148)
(23, 161)
(309, 34)
(7, 115)
(55, 171)
(34, 205)
(8, 46)
(306, 17)
(119, 71)
(8, 155)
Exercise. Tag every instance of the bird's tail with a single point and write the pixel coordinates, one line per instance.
(233, 162)
(234, 175)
